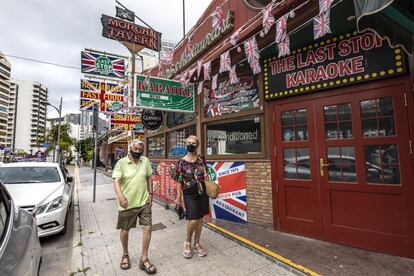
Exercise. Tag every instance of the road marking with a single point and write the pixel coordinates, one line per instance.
(264, 250)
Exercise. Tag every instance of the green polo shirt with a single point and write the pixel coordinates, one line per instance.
(133, 180)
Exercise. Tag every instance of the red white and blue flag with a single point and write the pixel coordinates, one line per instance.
(325, 5)
(200, 87)
(214, 82)
(281, 29)
(235, 37)
(225, 62)
(231, 202)
(251, 49)
(233, 75)
(189, 46)
(199, 67)
(167, 57)
(255, 65)
(207, 70)
(114, 66)
(284, 47)
(213, 111)
(218, 18)
(268, 18)
(321, 25)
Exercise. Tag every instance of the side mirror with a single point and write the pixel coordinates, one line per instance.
(69, 179)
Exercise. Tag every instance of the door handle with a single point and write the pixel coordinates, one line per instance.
(322, 166)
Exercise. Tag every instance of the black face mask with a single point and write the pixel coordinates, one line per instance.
(191, 148)
(135, 155)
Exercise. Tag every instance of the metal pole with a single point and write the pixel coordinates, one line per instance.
(95, 118)
(58, 138)
(183, 18)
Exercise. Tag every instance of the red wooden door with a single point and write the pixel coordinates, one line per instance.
(346, 175)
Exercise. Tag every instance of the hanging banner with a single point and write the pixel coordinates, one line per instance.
(229, 98)
(125, 14)
(123, 135)
(163, 94)
(109, 96)
(333, 62)
(124, 31)
(231, 201)
(127, 122)
(102, 65)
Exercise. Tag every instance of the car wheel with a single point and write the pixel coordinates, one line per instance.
(65, 224)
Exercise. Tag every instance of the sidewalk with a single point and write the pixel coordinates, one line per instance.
(97, 249)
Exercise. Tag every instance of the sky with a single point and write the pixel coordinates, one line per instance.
(58, 30)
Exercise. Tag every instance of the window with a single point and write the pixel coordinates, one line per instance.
(228, 98)
(234, 137)
(295, 125)
(178, 118)
(341, 162)
(296, 163)
(23, 175)
(176, 141)
(377, 117)
(381, 164)
(156, 146)
(338, 121)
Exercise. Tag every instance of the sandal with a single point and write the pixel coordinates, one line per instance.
(200, 250)
(125, 265)
(187, 252)
(150, 269)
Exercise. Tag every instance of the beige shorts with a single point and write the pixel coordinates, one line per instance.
(128, 219)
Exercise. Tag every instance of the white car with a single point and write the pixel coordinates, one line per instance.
(45, 189)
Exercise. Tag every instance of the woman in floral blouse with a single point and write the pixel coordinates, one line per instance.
(189, 174)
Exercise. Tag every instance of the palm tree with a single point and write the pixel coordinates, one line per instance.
(65, 143)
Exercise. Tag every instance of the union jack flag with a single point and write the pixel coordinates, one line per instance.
(191, 73)
(200, 88)
(284, 47)
(281, 29)
(207, 70)
(189, 46)
(233, 75)
(213, 111)
(88, 65)
(218, 18)
(325, 5)
(231, 203)
(255, 65)
(199, 66)
(214, 82)
(184, 79)
(235, 37)
(321, 25)
(268, 19)
(167, 57)
(251, 49)
(225, 62)
(147, 78)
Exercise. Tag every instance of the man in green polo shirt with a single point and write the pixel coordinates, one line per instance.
(133, 187)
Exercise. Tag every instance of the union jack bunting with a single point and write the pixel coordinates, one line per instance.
(255, 65)
(147, 78)
(218, 18)
(251, 49)
(325, 5)
(167, 57)
(235, 37)
(268, 19)
(189, 46)
(284, 47)
(321, 25)
(199, 66)
(233, 75)
(281, 29)
(200, 88)
(88, 65)
(185, 80)
(207, 70)
(191, 73)
(214, 82)
(225, 62)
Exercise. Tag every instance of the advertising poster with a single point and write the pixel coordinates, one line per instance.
(108, 96)
(102, 65)
(231, 203)
(157, 179)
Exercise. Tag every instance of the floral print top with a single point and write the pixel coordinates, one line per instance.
(190, 174)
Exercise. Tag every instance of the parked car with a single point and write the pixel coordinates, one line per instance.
(45, 189)
(20, 251)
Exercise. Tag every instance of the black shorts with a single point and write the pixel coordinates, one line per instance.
(196, 205)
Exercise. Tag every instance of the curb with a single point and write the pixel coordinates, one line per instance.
(264, 252)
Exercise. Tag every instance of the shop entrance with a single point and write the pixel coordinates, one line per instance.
(343, 166)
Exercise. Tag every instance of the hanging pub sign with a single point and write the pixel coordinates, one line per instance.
(125, 14)
(127, 122)
(337, 61)
(229, 98)
(108, 96)
(152, 119)
(127, 32)
(163, 94)
(102, 65)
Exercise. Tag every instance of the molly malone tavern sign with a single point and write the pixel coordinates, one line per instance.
(199, 47)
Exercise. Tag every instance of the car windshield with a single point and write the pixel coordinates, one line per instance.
(23, 175)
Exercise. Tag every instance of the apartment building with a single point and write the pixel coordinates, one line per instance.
(12, 116)
(5, 69)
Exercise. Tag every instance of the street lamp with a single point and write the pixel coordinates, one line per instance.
(59, 110)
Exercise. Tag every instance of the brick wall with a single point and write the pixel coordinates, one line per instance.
(259, 193)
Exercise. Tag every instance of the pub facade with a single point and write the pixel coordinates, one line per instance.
(316, 143)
